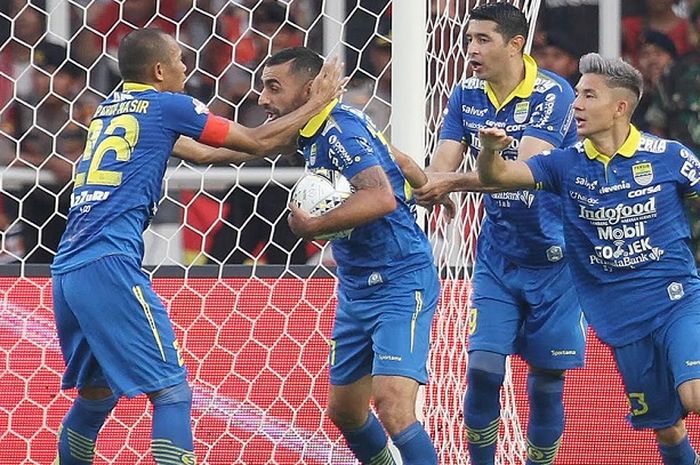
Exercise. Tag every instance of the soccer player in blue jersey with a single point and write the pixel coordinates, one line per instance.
(114, 331)
(388, 285)
(523, 300)
(627, 237)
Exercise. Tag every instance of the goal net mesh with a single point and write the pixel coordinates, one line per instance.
(252, 305)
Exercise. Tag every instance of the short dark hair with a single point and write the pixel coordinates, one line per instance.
(304, 61)
(139, 50)
(510, 20)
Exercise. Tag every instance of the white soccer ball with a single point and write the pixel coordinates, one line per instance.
(321, 191)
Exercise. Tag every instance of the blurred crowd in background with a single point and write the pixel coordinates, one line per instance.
(50, 88)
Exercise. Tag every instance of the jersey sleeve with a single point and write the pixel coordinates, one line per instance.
(686, 166)
(552, 116)
(349, 147)
(548, 169)
(186, 115)
(452, 124)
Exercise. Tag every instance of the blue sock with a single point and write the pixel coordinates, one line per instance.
(172, 429)
(415, 446)
(369, 443)
(482, 405)
(78, 431)
(544, 430)
(680, 454)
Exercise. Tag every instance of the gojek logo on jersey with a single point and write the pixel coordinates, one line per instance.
(619, 214)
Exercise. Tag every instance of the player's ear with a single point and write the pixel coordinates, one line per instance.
(307, 88)
(517, 43)
(158, 72)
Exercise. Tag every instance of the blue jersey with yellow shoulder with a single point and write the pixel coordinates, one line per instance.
(524, 225)
(343, 138)
(118, 179)
(627, 233)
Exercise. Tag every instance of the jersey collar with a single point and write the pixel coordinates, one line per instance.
(627, 150)
(317, 121)
(523, 90)
(136, 87)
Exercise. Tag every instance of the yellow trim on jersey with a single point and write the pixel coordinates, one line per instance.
(136, 87)
(149, 316)
(522, 90)
(627, 150)
(317, 121)
(414, 318)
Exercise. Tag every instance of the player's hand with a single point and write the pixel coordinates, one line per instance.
(430, 193)
(449, 208)
(301, 223)
(494, 139)
(329, 83)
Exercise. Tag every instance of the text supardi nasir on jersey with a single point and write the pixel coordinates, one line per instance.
(119, 177)
(525, 226)
(626, 228)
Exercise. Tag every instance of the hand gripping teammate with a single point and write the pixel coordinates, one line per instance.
(114, 331)
(627, 238)
(523, 300)
(388, 285)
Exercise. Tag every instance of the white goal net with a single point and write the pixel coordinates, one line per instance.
(252, 304)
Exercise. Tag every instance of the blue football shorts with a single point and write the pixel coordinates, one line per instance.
(113, 329)
(530, 311)
(387, 331)
(653, 367)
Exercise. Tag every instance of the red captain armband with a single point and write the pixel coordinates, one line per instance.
(215, 131)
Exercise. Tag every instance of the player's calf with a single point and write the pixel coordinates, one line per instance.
(545, 390)
(395, 401)
(172, 431)
(674, 446)
(78, 431)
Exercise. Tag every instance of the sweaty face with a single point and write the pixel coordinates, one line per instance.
(174, 69)
(282, 92)
(487, 50)
(594, 106)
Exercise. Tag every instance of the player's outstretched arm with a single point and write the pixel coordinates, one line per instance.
(373, 199)
(493, 169)
(441, 176)
(275, 136)
(413, 173)
(195, 152)
(417, 178)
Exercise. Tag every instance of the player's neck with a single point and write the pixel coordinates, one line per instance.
(513, 73)
(608, 142)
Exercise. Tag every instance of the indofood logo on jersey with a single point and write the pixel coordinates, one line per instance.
(521, 111)
(619, 214)
(642, 173)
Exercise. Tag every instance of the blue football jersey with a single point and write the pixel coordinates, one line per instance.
(343, 138)
(523, 225)
(626, 229)
(118, 179)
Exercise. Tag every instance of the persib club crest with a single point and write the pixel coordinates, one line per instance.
(521, 111)
(642, 173)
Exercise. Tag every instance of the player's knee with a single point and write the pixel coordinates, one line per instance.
(395, 410)
(672, 435)
(346, 418)
(486, 370)
(689, 393)
(95, 393)
(544, 381)
(180, 393)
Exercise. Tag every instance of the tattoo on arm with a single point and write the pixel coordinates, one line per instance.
(370, 178)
